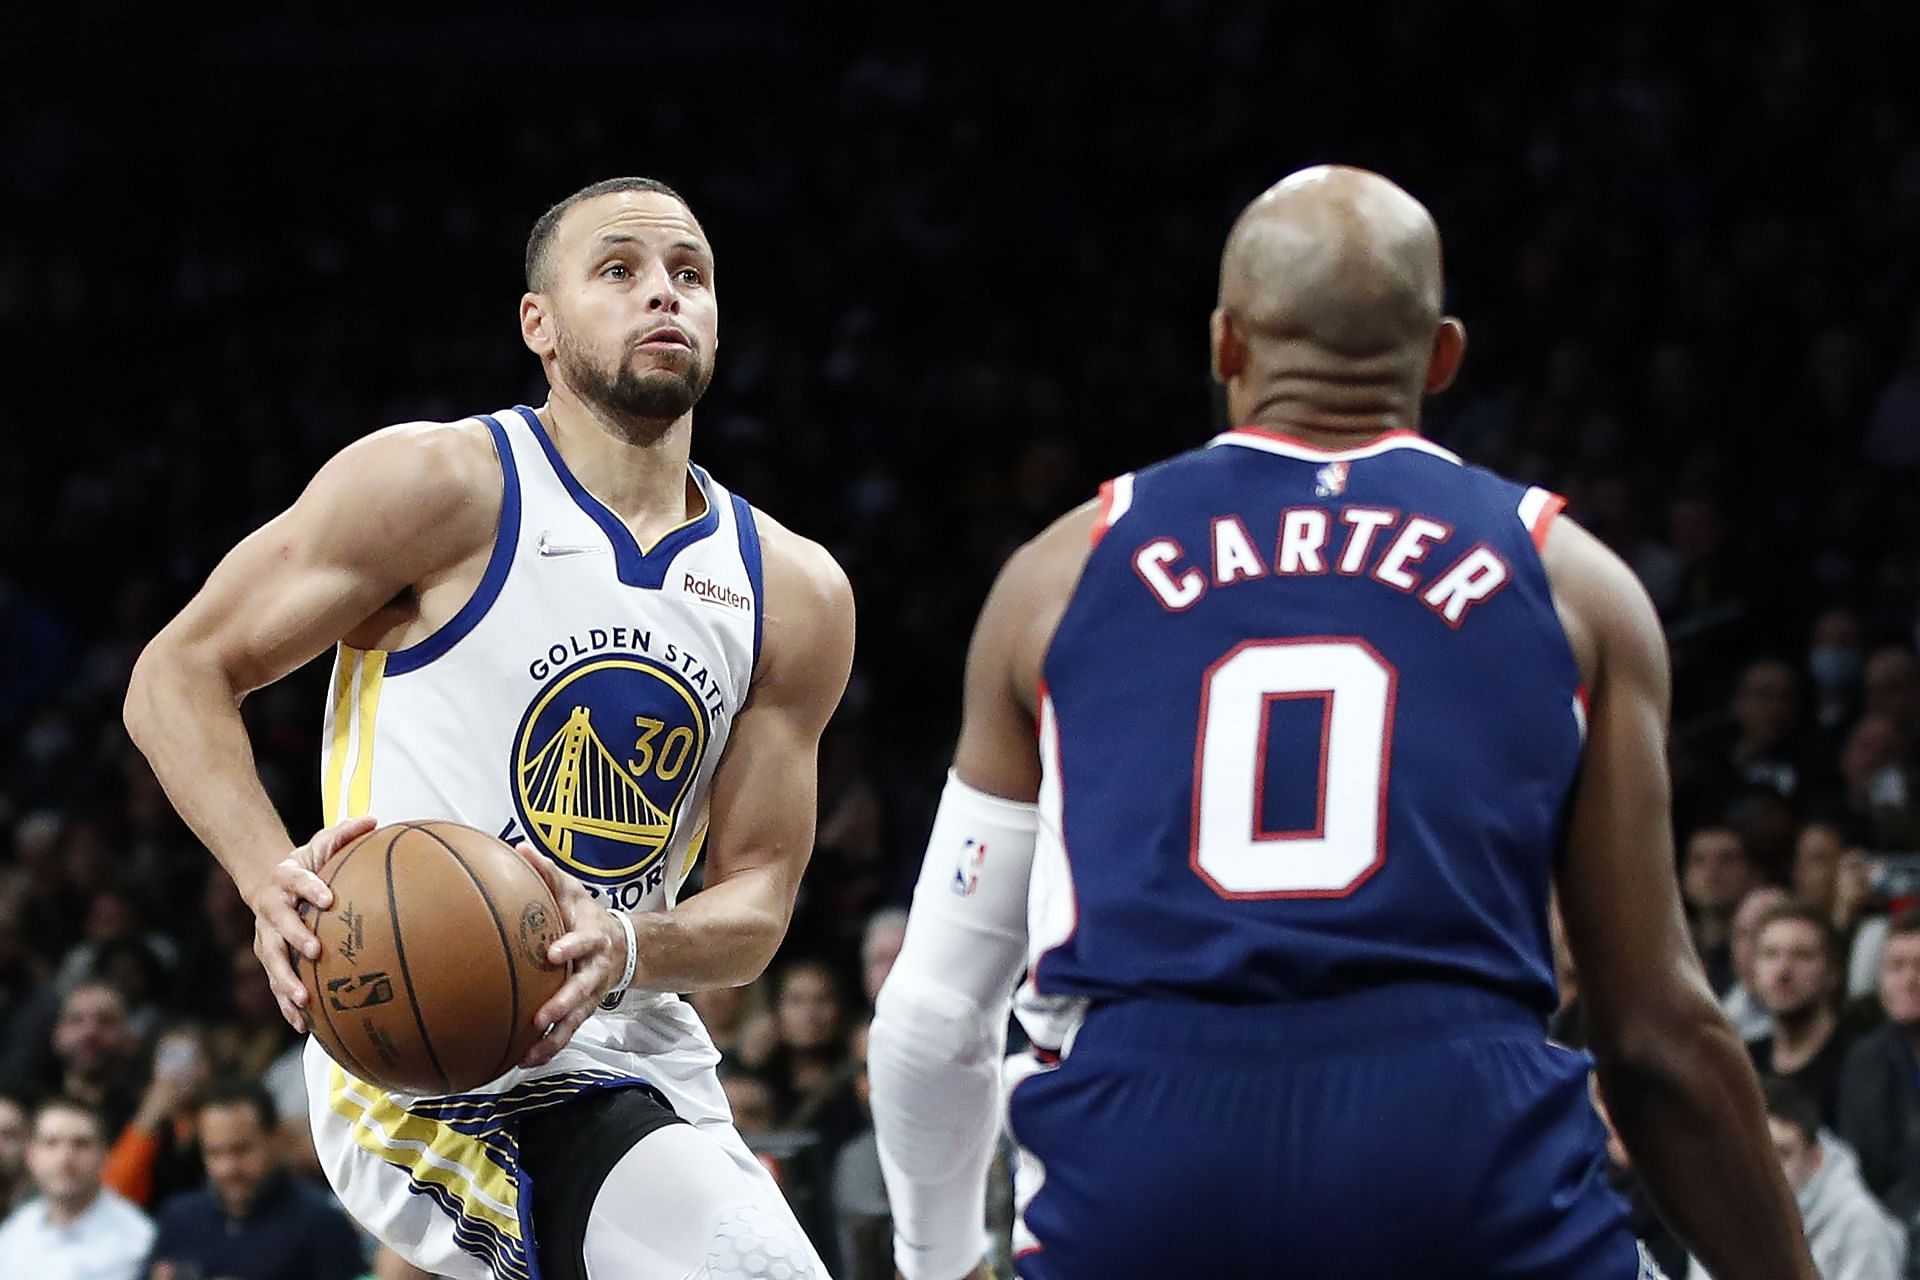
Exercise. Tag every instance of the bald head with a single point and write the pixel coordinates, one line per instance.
(1340, 258)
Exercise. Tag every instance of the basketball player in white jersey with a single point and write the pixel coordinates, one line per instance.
(550, 625)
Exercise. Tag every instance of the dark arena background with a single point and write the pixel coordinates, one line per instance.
(967, 261)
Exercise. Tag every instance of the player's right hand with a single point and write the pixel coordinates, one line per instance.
(278, 926)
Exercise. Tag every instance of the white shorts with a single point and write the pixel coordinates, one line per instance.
(438, 1178)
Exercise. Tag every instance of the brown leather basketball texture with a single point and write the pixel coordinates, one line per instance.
(433, 958)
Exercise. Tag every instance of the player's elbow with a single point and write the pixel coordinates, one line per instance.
(1669, 1039)
(138, 710)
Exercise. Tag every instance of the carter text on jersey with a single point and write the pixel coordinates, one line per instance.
(1389, 547)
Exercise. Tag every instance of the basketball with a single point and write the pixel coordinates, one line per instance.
(433, 958)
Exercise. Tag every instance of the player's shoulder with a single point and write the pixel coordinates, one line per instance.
(799, 568)
(432, 456)
(807, 605)
(443, 480)
(1608, 615)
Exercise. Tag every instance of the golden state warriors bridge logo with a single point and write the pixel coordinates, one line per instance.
(604, 758)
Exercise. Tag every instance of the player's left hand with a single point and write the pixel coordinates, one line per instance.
(594, 945)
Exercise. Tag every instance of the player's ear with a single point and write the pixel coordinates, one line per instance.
(1449, 349)
(535, 328)
(1229, 353)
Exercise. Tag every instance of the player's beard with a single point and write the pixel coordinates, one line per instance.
(646, 403)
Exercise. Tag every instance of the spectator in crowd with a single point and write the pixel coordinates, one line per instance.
(157, 1154)
(1743, 1007)
(253, 1220)
(880, 947)
(28, 1003)
(113, 913)
(1761, 748)
(254, 1035)
(74, 1227)
(1880, 1083)
(751, 1101)
(95, 1053)
(1893, 690)
(812, 1051)
(15, 1116)
(1876, 784)
(1850, 1235)
(742, 1027)
(1797, 977)
(1716, 874)
(225, 922)
(1836, 661)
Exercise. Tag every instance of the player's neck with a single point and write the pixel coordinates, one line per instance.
(1331, 418)
(644, 482)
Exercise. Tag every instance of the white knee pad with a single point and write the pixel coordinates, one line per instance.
(748, 1242)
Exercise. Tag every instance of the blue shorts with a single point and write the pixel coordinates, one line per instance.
(1408, 1131)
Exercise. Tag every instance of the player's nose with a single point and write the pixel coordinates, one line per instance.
(661, 295)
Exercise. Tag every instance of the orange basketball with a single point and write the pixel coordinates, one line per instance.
(433, 958)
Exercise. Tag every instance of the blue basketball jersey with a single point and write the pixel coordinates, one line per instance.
(1309, 726)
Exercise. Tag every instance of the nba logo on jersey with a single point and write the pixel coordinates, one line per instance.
(1330, 481)
(966, 876)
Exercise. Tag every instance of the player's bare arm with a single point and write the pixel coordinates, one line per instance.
(1675, 1076)
(998, 752)
(761, 828)
(937, 1036)
(387, 541)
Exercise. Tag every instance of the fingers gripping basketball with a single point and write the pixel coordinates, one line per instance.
(433, 958)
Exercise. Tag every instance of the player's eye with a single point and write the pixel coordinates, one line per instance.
(615, 271)
(688, 275)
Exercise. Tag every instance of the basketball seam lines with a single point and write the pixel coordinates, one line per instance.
(319, 996)
(406, 975)
(506, 943)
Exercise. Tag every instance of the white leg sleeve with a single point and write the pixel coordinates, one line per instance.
(679, 1207)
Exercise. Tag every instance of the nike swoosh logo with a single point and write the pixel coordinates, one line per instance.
(551, 550)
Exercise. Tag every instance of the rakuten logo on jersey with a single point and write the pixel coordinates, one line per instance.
(708, 591)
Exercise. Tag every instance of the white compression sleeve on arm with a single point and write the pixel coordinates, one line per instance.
(940, 1027)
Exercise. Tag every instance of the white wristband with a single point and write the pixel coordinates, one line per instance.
(626, 976)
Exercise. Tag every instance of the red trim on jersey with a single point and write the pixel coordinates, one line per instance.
(1398, 433)
(1544, 521)
(1585, 700)
(1104, 521)
(1073, 897)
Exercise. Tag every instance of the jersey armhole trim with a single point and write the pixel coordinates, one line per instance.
(505, 538)
(749, 534)
(1539, 508)
(1116, 498)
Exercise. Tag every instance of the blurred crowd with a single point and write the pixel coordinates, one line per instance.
(965, 277)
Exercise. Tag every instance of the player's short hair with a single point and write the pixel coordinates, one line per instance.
(1802, 910)
(1790, 1104)
(1905, 923)
(541, 237)
(238, 1091)
(68, 1103)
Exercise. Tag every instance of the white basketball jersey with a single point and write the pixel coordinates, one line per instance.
(580, 700)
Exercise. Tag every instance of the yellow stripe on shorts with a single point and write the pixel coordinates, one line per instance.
(429, 1152)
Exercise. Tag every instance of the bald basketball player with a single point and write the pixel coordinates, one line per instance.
(1321, 713)
(549, 624)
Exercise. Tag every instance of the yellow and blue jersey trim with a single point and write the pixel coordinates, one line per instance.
(462, 1152)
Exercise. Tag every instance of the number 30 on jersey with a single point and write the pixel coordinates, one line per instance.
(1232, 850)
